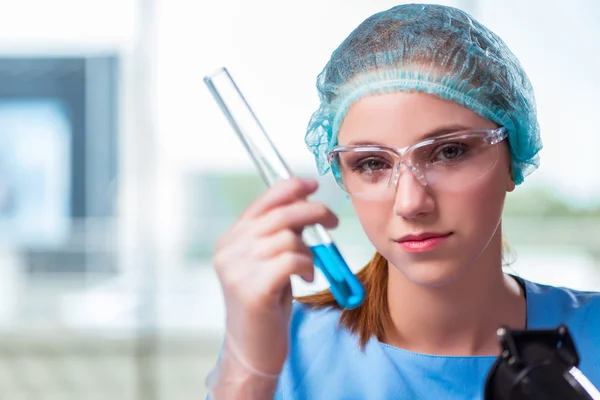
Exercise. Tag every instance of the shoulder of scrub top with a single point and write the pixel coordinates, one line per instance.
(307, 322)
(579, 310)
(554, 305)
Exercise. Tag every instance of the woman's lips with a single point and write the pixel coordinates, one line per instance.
(422, 242)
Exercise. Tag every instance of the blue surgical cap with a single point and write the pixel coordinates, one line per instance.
(433, 49)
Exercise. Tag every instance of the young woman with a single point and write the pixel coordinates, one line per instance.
(427, 121)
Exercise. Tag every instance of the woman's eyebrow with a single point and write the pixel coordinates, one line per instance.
(443, 130)
(439, 131)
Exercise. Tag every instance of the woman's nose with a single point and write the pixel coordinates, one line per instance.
(412, 196)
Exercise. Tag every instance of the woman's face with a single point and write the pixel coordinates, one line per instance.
(465, 221)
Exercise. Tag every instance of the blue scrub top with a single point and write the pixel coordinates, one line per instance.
(326, 363)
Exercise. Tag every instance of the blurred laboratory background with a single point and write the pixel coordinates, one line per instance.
(118, 172)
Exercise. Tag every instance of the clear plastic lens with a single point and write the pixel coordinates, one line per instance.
(448, 163)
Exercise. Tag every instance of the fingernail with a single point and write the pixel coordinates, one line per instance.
(310, 184)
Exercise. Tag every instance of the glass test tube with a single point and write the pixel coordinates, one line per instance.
(344, 285)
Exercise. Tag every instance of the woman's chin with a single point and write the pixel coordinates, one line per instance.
(431, 274)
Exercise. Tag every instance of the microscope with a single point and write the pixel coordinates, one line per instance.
(538, 364)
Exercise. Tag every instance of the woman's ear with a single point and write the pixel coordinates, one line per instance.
(510, 186)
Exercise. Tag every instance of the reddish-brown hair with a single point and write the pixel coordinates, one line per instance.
(370, 318)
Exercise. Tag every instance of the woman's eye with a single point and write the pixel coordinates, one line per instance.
(449, 152)
(370, 165)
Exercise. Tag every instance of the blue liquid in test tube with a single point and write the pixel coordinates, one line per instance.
(344, 285)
